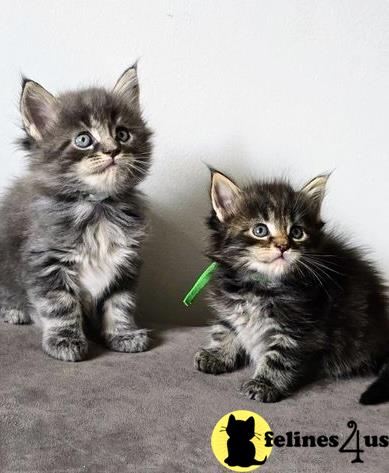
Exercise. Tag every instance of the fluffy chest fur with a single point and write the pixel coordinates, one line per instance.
(103, 250)
(255, 320)
(106, 250)
(250, 316)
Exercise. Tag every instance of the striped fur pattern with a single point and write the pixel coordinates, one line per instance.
(71, 228)
(321, 311)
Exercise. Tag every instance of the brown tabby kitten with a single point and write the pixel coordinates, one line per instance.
(291, 298)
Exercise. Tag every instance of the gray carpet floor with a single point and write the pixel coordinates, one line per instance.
(152, 412)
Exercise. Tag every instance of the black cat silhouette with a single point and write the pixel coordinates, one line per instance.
(241, 451)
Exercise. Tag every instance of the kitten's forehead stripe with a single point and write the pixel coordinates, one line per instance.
(275, 202)
(92, 107)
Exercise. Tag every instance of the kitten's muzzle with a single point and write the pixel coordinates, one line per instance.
(111, 162)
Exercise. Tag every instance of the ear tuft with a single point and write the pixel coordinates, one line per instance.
(127, 87)
(315, 190)
(38, 108)
(224, 193)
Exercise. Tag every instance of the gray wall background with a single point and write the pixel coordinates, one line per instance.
(255, 88)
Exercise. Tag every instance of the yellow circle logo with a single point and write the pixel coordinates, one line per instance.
(238, 441)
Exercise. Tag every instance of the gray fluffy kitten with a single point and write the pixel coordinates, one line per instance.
(71, 227)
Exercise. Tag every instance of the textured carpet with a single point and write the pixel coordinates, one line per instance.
(152, 412)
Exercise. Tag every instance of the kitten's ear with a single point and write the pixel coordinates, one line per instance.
(127, 87)
(250, 423)
(38, 108)
(315, 190)
(231, 419)
(223, 195)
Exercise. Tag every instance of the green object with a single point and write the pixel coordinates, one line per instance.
(199, 285)
(206, 276)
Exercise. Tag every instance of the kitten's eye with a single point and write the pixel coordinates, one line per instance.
(83, 140)
(122, 134)
(260, 230)
(296, 232)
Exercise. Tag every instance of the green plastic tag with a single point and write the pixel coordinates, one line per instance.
(199, 285)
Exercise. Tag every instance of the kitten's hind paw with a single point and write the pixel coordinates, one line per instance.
(209, 362)
(129, 342)
(15, 316)
(65, 348)
(261, 390)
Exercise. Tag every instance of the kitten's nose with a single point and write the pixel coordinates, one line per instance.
(112, 152)
(283, 247)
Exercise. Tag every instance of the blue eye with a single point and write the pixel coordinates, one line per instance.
(83, 140)
(260, 230)
(122, 134)
(296, 232)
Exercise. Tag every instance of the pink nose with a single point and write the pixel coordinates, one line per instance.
(283, 247)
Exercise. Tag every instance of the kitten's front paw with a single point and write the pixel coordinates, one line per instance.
(15, 316)
(128, 342)
(209, 362)
(261, 390)
(65, 348)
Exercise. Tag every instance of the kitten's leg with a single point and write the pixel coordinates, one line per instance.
(61, 317)
(13, 307)
(119, 330)
(54, 293)
(277, 373)
(223, 354)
